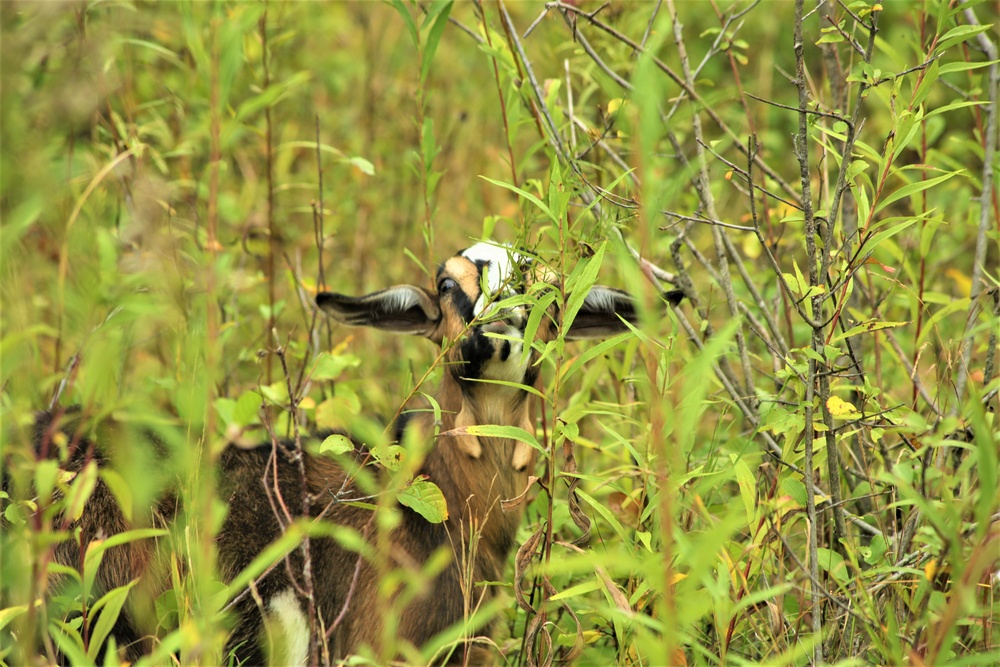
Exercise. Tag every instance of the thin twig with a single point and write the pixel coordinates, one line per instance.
(704, 221)
(272, 248)
(649, 24)
(703, 187)
(743, 174)
(534, 24)
(802, 155)
(814, 112)
(985, 199)
(706, 107)
(779, 274)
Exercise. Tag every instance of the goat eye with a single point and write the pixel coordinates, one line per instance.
(446, 284)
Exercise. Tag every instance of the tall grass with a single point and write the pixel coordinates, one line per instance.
(797, 465)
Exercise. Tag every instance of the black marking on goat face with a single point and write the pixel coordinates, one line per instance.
(476, 351)
(463, 304)
(482, 353)
(530, 376)
(489, 357)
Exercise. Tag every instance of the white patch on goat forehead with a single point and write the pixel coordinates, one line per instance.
(497, 259)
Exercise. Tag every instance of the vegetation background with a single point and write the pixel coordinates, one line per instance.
(797, 465)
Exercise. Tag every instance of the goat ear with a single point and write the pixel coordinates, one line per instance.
(604, 309)
(601, 314)
(401, 309)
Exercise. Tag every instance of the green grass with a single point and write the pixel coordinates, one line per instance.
(148, 278)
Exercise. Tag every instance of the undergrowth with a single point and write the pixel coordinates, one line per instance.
(797, 465)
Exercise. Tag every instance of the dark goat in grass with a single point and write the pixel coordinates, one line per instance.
(474, 473)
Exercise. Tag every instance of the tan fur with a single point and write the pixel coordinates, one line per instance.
(465, 274)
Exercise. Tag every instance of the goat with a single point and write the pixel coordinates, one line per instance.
(473, 472)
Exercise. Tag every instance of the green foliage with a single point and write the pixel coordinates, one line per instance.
(798, 464)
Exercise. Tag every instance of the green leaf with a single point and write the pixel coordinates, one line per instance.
(247, 408)
(878, 547)
(336, 444)
(230, 29)
(407, 19)
(962, 66)
(603, 510)
(19, 220)
(81, 490)
(748, 488)
(97, 548)
(425, 498)
(795, 490)
(224, 407)
(927, 233)
(960, 34)
(111, 653)
(962, 104)
(439, 15)
(833, 563)
(166, 649)
(110, 607)
(46, 473)
(428, 148)
(363, 165)
(908, 125)
(912, 189)
(579, 589)
(863, 202)
(538, 310)
(331, 366)
(570, 431)
(276, 392)
(579, 283)
(388, 456)
(10, 613)
(759, 596)
(830, 38)
(120, 489)
(875, 240)
(987, 466)
(70, 643)
(594, 351)
(505, 383)
(157, 49)
(867, 327)
(926, 84)
(336, 412)
(497, 431)
(856, 167)
(274, 93)
(527, 195)
(800, 280)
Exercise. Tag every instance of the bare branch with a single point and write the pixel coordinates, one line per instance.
(985, 199)
(707, 108)
(802, 155)
(705, 221)
(701, 183)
